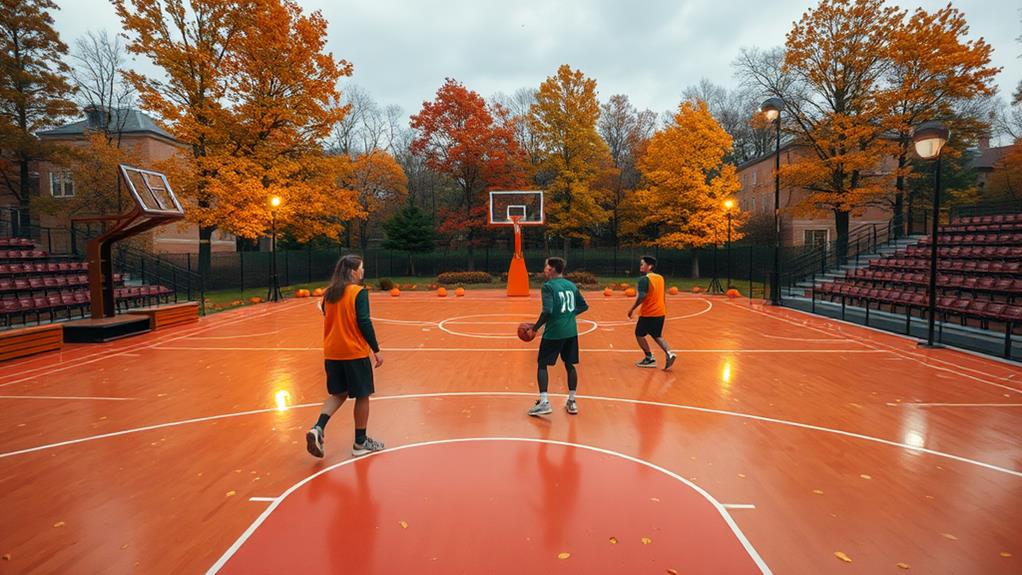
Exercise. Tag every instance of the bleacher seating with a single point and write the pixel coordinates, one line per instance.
(35, 286)
(979, 279)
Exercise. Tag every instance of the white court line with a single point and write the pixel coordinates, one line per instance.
(709, 306)
(441, 327)
(106, 354)
(738, 506)
(529, 349)
(67, 397)
(955, 404)
(889, 348)
(262, 498)
(805, 339)
(236, 336)
(912, 448)
(721, 509)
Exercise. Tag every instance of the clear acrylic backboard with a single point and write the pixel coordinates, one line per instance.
(508, 206)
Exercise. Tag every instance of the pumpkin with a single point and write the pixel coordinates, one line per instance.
(442, 292)
(732, 293)
(318, 292)
(697, 289)
(394, 292)
(608, 292)
(630, 292)
(255, 299)
(460, 292)
(673, 290)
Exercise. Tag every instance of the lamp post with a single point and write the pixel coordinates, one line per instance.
(771, 108)
(728, 204)
(929, 139)
(273, 292)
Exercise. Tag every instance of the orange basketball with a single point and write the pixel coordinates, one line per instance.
(460, 292)
(733, 293)
(394, 292)
(673, 290)
(525, 332)
(608, 292)
(442, 292)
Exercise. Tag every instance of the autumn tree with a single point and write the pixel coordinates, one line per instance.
(626, 131)
(932, 68)
(1005, 181)
(35, 92)
(687, 181)
(379, 185)
(98, 62)
(835, 60)
(409, 230)
(575, 159)
(736, 110)
(474, 145)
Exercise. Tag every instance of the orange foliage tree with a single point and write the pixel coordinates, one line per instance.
(932, 67)
(473, 144)
(576, 163)
(837, 55)
(379, 185)
(687, 182)
(34, 91)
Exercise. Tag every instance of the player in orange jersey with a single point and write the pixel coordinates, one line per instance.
(653, 298)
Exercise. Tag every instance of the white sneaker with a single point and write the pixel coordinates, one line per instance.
(541, 408)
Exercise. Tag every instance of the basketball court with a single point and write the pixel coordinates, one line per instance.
(778, 441)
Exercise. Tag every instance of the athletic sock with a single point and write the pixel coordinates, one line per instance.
(360, 436)
(321, 423)
(649, 355)
(571, 395)
(543, 397)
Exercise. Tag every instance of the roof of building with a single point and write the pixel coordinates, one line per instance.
(786, 143)
(129, 120)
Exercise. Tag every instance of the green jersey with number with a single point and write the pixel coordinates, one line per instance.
(561, 302)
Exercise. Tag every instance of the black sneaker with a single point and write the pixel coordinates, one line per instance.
(570, 407)
(646, 362)
(314, 441)
(670, 361)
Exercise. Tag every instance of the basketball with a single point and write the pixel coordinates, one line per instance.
(525, 332)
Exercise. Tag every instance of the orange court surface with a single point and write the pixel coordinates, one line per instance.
(778, 443)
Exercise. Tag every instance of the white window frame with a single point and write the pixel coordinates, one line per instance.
(807, 232)
(60, 183)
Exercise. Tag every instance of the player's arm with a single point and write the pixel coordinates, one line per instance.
(581, 305)
(643, 289)
(365, 324)
(548, 306)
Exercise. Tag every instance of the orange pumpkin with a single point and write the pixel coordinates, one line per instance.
(697, 289)
(630, 292)
(608, 292)
(624, 286)
(673, 290)
(460, 292)
(733, 293)
(255, 299)
(394, 292)
(442, 292)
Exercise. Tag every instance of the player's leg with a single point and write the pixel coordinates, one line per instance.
(569, 355)
(360, 373)
(548, 350)
(641, 330)
(657, 332)
(337, 387)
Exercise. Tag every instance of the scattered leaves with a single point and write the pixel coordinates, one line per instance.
(403, 524)
(949, 536)
(842, 556)
(903, 566)
(673, 571)
(231, 493)
(613, 541)
(655, 499)
(864, 476)
(59, 524)
(563, 555)
(646, 540)
(742, 475)
(1005, 554)
(7, 557)
(818, 491)
(125, 546)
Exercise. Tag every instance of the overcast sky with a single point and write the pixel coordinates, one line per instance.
(649, 49)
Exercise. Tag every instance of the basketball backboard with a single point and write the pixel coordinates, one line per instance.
(151, 191)
(507, 206)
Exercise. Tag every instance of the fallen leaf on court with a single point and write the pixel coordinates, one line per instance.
(613, 540)
(817, 491)
(231, 493)
(403, 524)
(1005, 554)
(864, 476)
(655, 499)
(949, 536)
(673, 571)
(903, 566)
(58, 524)
(237, 471)
(742, 475)
(929, 497)
(125, 546)
(646, 540)
(563, 555)
(102, 418)
(840, 555)
(7, 556)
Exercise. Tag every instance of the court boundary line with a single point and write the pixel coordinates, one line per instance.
(68, 398)
(530, 349)
(441, 327)
(725, 515)
(683, 407)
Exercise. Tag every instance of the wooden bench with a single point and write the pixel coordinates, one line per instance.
(170, 314)
(30, 340)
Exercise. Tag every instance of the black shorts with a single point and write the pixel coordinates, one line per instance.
(549, 349)
(653, 326)
(351, 376)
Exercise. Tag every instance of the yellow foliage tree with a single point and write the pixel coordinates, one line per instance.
(687, 182)
(575, 160)
(379, 185)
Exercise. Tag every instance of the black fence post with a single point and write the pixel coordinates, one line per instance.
(241, 272)
(287, 273)
(309, 263)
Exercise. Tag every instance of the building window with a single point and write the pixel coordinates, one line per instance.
(753, 205)
(62, 185)
(815, 237)
(754, 177)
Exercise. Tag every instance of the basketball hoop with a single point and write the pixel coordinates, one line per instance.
(516, 209)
